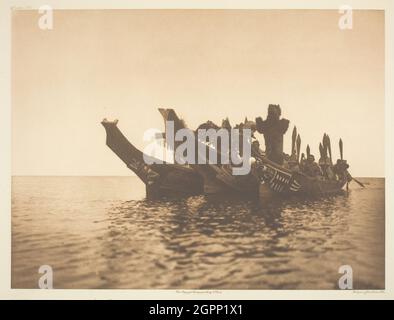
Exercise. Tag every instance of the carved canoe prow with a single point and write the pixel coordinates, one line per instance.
(160, 179)
(130, 155)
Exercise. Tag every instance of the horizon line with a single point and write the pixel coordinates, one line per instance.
(129, 175)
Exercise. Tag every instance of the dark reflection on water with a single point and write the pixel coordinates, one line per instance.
(202, 242)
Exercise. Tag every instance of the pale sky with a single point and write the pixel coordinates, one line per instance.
(206, 64)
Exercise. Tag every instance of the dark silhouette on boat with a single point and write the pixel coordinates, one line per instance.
(218, 178)
(272, 173)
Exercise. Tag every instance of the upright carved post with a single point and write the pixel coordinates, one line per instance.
(273, 129)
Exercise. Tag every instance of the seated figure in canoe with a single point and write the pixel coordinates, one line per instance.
(288, 174)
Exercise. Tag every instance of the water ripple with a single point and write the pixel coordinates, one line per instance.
(97, 237)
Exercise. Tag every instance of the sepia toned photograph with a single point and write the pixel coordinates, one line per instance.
(198, 149)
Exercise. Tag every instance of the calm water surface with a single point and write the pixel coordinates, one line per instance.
(101, 232)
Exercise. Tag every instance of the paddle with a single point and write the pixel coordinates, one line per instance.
(358, 182)
(341, 153)
(329, 147)
(321, 150)
(325, 145)
(293, 140)
(341, 148)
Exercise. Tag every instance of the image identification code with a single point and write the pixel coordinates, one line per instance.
(205, 309)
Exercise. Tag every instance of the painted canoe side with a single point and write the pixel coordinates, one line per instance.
(283, 181)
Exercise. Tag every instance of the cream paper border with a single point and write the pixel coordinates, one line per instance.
(5, 154)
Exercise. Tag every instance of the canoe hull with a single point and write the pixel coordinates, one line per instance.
(160, 179)
(285, 182)
(218, 178)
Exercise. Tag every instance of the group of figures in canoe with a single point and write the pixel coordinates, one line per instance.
(272, 172)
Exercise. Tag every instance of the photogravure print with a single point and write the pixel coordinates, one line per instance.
(258, 197)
